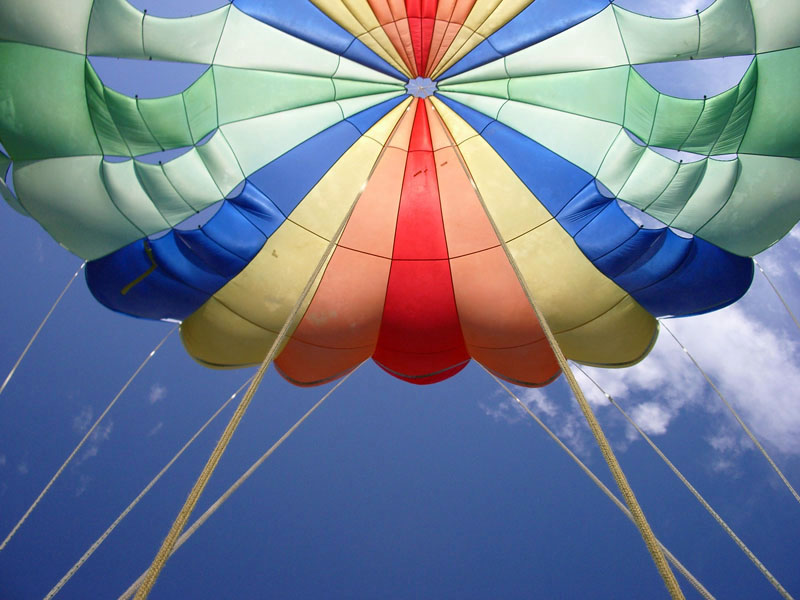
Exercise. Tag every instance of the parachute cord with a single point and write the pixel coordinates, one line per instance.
(69, 574)
(194, 495)
(605, 448)
(777, 293)
(759, 565)
(619, 504)
(735, 414)
(85, 437)
(238, 483)
(39, 329)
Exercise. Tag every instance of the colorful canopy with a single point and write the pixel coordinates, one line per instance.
(540, 140)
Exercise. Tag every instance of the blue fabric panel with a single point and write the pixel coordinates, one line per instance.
(660, 260)
(367, 118)
(552, 179)
(607, 232)
(584, 207)
(176, 260)
(620, 259)
(665, 273)
(190, 267)
(288, 179)
(477, 120)
(157, 296)
(303, 20)
(540, 20)
(234, 233)
(258, 209)
(708, 279)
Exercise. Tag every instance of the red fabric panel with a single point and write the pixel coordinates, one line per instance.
(422, 21)
(420, 335)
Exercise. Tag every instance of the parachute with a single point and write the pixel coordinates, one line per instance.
(423, 183)
(518, 173)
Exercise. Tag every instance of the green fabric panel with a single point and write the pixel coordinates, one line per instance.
(730, 139)
(641, 103)
(353, 106)
(43, 109)
(125, 189)
(776, 24)
(581, 140)
(485, 104)
(652, 175)
(776, 112)
(493, 71)
(125, 113)
(58, 25)
(649, 39)
(762, 209)
(711, 194)
(599, 94)
(672, 200)
(245, 93)
(260, 140)
(166, 120)
(496, 88)
(248, 43)
(726, 29)
(593, 44)
(351, 70)
(104, 127)
(167, 200)
(5, 162)
(115, 29)
(200, 101)
(190, 39)
(7, 195)
(220, 162)
(716, 112)
(190, 178)
(349, 88)
(619, 162)
(80, 214)
(675, 120)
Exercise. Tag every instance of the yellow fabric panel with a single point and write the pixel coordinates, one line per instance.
(594, 319)
(619, 338)
(579, 302)
(486, 17)
(365, 28)
(514, 208)
(323, 209)
(238, 324)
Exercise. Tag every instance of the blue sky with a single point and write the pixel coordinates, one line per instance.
(390, 490)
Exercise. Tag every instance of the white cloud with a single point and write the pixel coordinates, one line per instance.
(22, 468)
(83, 484)
(651, 417)
(155, 429)
(157, 393)
(81, 422)
(2, 460)
(99, 435)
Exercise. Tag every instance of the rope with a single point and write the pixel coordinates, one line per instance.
(194, 495)
(237, 484)
(777, 293)
(69, 574)
(39, 329)
(83, 441)
(605, 448)
(735, 414)
(759, 565)
(675, 562)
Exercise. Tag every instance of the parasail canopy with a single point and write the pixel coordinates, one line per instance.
(477, 151)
